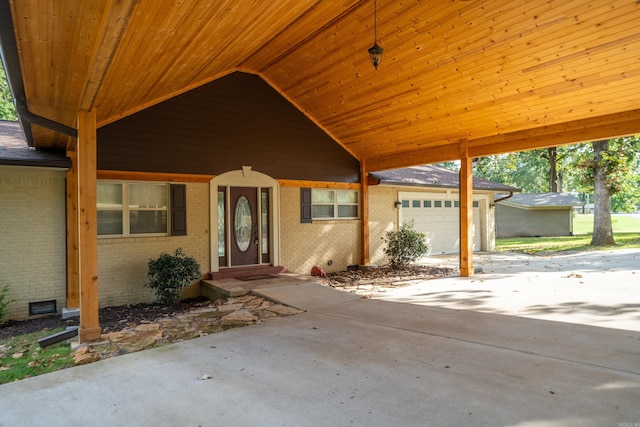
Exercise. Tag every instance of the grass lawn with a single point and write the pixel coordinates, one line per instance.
(583, 224)
(626, 233)
(21, 356)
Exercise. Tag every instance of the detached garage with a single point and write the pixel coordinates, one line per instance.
(536, 214)
(428, 195)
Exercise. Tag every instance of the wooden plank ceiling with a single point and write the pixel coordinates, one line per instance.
(502, 74)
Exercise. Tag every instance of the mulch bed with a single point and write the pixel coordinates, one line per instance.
(383, 275)
(112, 319)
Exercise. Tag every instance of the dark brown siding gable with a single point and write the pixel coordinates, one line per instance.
(234, 121)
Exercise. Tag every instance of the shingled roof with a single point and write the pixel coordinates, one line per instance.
(14, 150)
(434, 176)
(543, 200)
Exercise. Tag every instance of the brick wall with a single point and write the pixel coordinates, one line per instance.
(304, 245)
(122, 262)
(32, 237)
(383, 217)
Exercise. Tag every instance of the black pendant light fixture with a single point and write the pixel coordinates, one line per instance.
(375, 51)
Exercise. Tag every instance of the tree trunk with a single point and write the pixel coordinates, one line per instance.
(553, 169)
(602, 228)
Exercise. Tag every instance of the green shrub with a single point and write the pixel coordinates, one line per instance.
(404, 246)
(4, 302)
(168, 274)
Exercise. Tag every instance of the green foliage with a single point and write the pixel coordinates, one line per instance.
(7, 109)
(404, 246)
(4, 302)
(545, 245)
(621, 160)
(168, 274)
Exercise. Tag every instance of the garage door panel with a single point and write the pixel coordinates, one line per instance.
(440, 223)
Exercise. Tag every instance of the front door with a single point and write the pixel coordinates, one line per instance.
(244, 226)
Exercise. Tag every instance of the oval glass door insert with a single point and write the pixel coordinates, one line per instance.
(242, 223)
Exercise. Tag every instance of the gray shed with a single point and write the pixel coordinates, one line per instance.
(536, 214)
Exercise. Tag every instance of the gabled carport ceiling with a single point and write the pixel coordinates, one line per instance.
(503, 75)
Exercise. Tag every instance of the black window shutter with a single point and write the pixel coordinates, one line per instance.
(305, 205)
(178, 210)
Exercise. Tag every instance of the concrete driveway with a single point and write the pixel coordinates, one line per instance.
(599, 288)
(349, 361)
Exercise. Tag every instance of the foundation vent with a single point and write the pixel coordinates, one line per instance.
(42, 307)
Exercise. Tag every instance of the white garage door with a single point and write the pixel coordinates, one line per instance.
(439, 220)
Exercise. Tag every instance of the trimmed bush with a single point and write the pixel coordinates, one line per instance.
(168, 274)
(404, 246)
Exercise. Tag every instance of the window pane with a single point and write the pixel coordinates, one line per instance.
(347, 211)
(321, 196)
(347, 197)
(264, 209)
(447, 203)
(427, 204)
(109, 222)
(456, 204)
(322, 211)
(437, 204)
(476, 204)
(405, 203)
(109, 195)
(143, 222)
(148, 196)
(221, 218)
(415, 203)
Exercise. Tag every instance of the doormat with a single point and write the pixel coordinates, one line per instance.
(258, 277)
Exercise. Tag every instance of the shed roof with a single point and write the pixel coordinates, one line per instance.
(434, 176)
(14, 150)
(543, 200)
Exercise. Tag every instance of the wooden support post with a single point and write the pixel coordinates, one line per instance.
(73, 258)
(87, 226)
(466, 212)
(365, 214)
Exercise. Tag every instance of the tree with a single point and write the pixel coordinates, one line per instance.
(7, 109)
(526, 170)
(611, 168)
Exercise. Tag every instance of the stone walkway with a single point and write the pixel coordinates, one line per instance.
(216, 317)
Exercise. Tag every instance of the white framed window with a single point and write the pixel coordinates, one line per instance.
(132, 209)
(334, 204)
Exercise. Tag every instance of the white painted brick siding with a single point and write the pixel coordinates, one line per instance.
(32, 237)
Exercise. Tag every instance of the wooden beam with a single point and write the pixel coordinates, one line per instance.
(114, 22)
(87, 226)
(592, 129)
(466, 212)
(364, 241)
(319, 184)
(153, 176)
(603, 127)
(73, 280)
(446, 151)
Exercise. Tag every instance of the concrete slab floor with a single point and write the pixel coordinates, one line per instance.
(598, 288)
(356, 362)
(350, 361)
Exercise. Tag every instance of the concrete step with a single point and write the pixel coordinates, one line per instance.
(246, 272)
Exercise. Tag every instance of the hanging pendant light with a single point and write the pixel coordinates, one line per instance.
(375, 51)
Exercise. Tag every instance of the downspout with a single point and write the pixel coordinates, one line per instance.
(31, 118)
(503, 198)
(11, 62)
